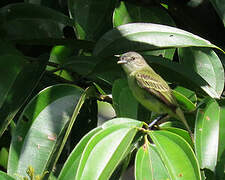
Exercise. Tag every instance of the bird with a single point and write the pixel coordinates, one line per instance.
(149, 88)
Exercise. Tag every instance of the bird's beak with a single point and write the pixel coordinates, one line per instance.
(121, 61)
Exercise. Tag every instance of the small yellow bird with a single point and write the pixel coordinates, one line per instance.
(149, 88)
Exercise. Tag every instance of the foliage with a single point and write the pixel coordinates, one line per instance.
(59, 78)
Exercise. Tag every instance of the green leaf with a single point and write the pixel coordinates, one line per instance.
(83, 65)
(18, 79)
(148, 164)
(69, 170)
(184, 102)
(146, 36)
(91, 18)
(32, 22)
(220, 8)
(187, 93)
(58, 55)
(121, 121)
(131, 13)
(106, 150)
(221, 148)
(206, 63)
(40, 129)
(183, 133)
(4, 176)
(174, 151)
(4, 157)
(123, 100)
(207, 134)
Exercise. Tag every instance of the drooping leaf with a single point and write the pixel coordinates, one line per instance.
(106, 149)
(148, 164)
(174, 151)
(91, 18)
(184, 102)
(18, 79)
(40, 129)
(191, 95)
(32, 22)
(69, 170)
(207, 134)
(206, 63)
(146, 36)
(131, 13)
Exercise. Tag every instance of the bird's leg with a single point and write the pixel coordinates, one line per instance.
(156, 120)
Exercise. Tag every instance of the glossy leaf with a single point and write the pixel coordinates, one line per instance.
(40, 129)
(207, 134)
(91, 18)
(58, 55)
(105, 151)
(221, 148)
(4, 176)
(148, 164)
(183, 133)
(18, 79)
(146, 36)
(206, 63)
(32, 22)
(184, 102)
(123, 100)
(131, 13)
(187, 93)
(174, 151)
(70, 167)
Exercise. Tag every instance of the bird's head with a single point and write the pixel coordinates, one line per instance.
(132, 61)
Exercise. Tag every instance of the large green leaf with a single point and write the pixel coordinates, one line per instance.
(123, 100)
(206, 63)
(32, 22)
(91, 18)
(221, 149)
(148, 164)
(106, 149)
(207, 134)
(69, 170)
(18, 78)
(146, 36)
(131, 13)
(174, 151)
(40, 129)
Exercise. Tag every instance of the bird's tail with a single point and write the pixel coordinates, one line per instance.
(180, 115)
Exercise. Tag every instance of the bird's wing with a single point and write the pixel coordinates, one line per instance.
(155, 85)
